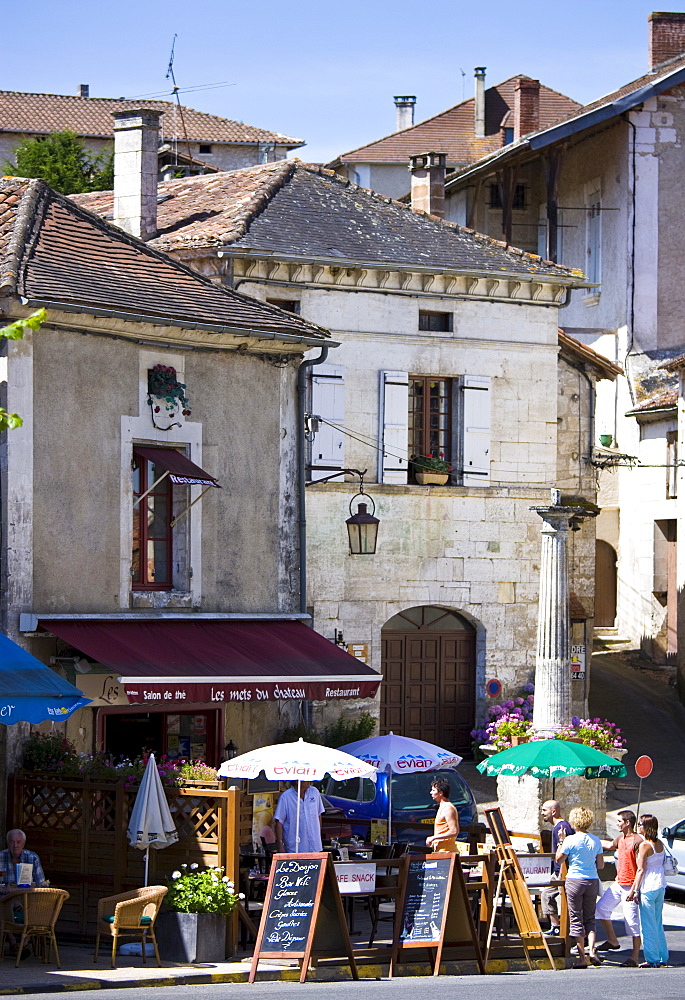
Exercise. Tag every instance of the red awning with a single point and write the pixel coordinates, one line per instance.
(218, 661)
(181, 470)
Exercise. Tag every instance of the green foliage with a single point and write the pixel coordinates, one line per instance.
(349, 730)
(195, 891)
(62, 161)
(45, 752)
(344, 730)
(431, 463)
(15, 331)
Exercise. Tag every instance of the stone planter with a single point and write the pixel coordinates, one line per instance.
(517, 740)
(431, 478)
(191, 937)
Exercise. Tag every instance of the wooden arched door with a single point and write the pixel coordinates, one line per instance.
(605, 584)
(429, 671)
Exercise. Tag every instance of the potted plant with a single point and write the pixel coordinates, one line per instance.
(431, 469)
(192, 925)
(166, 396)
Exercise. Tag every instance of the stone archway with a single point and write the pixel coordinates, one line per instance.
(429, 672)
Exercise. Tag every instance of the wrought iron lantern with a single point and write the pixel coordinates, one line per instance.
(362, 527)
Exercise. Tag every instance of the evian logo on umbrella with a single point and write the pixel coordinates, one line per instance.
(411, 762)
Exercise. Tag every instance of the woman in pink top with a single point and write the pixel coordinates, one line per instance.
(649, 886)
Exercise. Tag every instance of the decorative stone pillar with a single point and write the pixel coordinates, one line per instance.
(552, 709)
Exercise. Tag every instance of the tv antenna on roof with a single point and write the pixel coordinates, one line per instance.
(174, 92)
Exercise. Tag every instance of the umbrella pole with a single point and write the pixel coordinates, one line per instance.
(554, 788)
(390, 807)
(147, 860)
(297, 823)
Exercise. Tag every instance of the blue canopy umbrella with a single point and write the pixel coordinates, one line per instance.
(32, 692)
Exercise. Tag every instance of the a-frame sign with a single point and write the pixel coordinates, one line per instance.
(303, 914)
(433, 911)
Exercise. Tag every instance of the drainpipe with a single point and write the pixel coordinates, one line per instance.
(302, 373)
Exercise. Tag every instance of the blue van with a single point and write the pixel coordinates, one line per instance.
(362, 800)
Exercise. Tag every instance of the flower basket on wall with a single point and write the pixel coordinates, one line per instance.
(166, 397)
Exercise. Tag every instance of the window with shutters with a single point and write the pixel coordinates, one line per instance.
(327, 450)
(430, 417)
(151, 567)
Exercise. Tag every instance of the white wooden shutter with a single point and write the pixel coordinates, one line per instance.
(476, 430)
(394, 411)
(328, 401)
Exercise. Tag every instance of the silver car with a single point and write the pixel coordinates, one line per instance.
(674, 836)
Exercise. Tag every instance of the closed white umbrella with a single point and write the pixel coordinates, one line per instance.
(298, 762)
(151, 823)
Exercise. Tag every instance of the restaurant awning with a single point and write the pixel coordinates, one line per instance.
(218, 661)
(180, 469)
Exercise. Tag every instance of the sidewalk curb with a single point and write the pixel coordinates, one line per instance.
(323, 975)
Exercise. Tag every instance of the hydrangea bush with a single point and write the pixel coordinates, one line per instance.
(195, 891)
(514, 718)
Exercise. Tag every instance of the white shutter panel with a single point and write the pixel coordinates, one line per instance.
(476, 430)
(328, 401)
(393, 458)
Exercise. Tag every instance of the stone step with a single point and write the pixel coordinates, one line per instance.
(609, 637)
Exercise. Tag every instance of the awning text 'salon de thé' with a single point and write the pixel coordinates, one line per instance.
(218, 661)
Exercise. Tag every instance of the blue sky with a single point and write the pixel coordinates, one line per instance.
(324, 72)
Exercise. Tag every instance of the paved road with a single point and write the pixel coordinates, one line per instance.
(627, 984)
(653, 723)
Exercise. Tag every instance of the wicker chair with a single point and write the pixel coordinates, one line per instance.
(130, 914)
(41, 909)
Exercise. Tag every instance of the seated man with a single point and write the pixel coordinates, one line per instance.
(16, 854)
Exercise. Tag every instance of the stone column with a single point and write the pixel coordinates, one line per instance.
(552, 709)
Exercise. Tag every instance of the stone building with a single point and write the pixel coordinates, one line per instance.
(449, 344)
(601, 189)
(494, 117)
(150, 547)
(190, 141)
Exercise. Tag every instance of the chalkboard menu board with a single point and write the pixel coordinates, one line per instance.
(425, 895)
(288, 915)
(303, 914)
(434, 910)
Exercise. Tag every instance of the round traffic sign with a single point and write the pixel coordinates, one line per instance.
(643, 766)
(493, 688)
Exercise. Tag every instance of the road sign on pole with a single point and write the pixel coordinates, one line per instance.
(643, 768)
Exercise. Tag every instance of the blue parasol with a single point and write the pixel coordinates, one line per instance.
(30, 691)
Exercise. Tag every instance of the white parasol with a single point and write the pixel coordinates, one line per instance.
(297, 762)
(151, 823)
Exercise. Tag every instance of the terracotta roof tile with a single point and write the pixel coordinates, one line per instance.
(603, 367)
(92, 117)
(302, 209)
(52, 250)
(452, 131)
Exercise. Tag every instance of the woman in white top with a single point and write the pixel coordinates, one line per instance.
(649, 886)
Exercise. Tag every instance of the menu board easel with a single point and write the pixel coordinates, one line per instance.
(303, 915)
(433, 911)
(512, 881)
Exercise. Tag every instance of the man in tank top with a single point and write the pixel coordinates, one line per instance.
(446, 827)
(626, 844)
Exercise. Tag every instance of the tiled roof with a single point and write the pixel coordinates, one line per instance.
(92, 116)
(667, 400)
(603, 367)
(452, 132)
(304, 210)
(53, 251)
(489, 159)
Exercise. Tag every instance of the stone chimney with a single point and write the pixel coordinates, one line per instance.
(666, 36)
(526, 106)
(479, 104)
(428, 183)
(136, 139)
(404, 114)
(83, 90)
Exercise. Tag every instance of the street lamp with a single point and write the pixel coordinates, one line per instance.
(362, 527)
(231, 750)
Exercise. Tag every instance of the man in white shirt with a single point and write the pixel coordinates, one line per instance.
(311, 808)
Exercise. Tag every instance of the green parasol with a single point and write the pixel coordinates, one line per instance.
(553, 759)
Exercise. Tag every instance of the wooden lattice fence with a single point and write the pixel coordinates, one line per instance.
(78, 828)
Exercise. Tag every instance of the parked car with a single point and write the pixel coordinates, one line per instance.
(362, 800)
(674, 837)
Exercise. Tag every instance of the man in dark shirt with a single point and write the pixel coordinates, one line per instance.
(551, 813)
